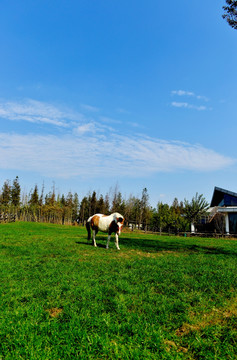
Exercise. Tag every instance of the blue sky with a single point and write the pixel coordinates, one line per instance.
(105, 93)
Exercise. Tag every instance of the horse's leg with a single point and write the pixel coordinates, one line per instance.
(93, 238)
(117, 241)
(107, 245)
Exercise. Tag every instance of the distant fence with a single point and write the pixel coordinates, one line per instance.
(208, 234)
(7, 217)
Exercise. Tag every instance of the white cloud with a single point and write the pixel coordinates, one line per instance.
(180, 104)
(189, 94)
(94, 156)
(188, 106)
(182, 93)
(109, 120)
(33, 111)
(82, 129)
(94, 148)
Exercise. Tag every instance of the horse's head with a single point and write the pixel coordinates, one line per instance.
(119, 223)
(116, 224)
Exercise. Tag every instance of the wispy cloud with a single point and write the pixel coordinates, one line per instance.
(33, 111)
(109, 120)
(93, 148)
(188, 106)
(94, 156)
(182, 93)
(189, 94)
(90, 108)
(86, 128)
(135, 124)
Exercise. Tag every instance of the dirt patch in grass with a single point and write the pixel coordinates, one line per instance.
(171, 345)
(215, 317)
(145, 254)
(131, 254)
(54, 312)
(134, 253)
(142, 254)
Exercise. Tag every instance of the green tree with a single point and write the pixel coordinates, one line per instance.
(118, 204)
(69, 200)
(34, 197)
(93, 203)
(6, 193)
(129, 209)
(106, 204)
(84, 210)
(132, 211)
(62, 204)
(50, 198)
(67, 209)
(195, 209)
(15, 192)
(145, 209)
(179, 223)
(34, 209)
(231, 13)
(41, 199)
(163, 216)
(62, 201)
(100, 208)
(75, 206)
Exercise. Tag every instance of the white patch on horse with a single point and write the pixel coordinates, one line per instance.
(106, 223)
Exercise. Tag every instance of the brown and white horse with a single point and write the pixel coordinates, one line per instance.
(107, 223)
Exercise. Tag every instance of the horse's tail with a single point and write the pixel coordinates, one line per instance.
(88, 228)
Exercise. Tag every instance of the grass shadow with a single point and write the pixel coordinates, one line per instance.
(153, 243)
(156, 245)
(89, 243)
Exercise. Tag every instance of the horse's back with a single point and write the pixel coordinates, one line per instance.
(103, 222)
(99, 222)
(93, 216)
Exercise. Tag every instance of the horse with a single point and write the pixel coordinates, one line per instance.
(106, 223)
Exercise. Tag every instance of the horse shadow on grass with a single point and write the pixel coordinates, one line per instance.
(157, 245)
(89, 243)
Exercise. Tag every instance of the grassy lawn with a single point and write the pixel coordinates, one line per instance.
(157, 298)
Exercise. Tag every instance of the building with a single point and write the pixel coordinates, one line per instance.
(225, 202)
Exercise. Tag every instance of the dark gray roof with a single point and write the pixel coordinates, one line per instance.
(218, 195)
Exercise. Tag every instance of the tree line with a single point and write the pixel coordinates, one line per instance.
(68, 209)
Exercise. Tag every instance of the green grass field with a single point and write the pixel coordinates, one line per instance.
(157, 298)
